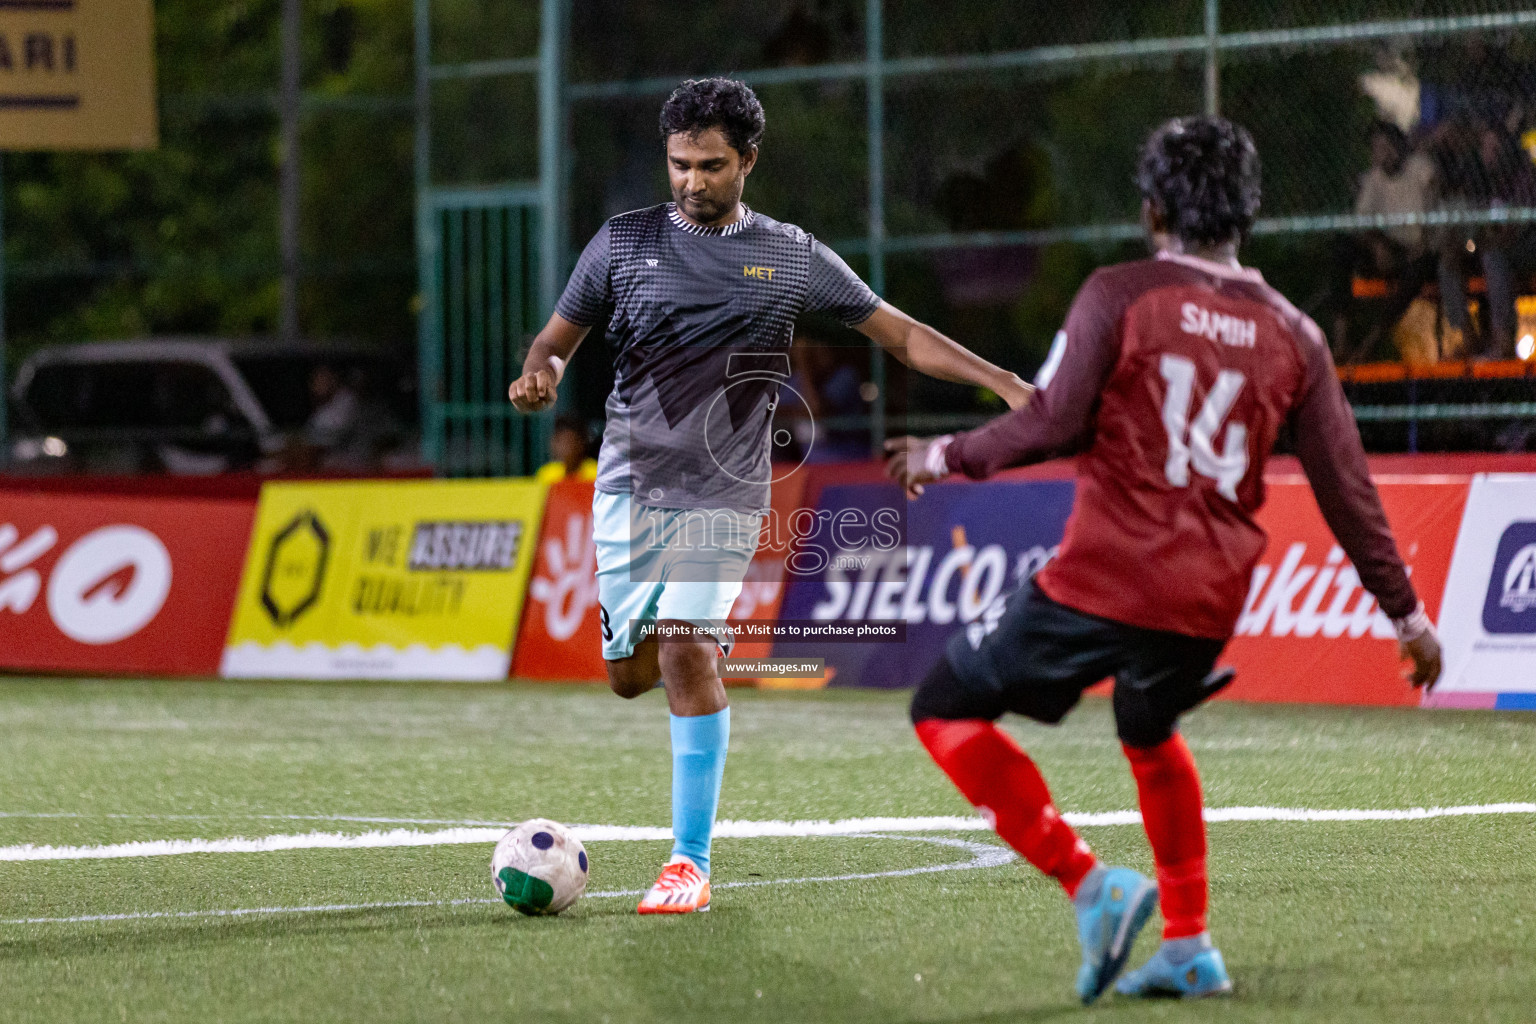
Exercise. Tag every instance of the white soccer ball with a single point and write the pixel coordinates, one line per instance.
(539, 867)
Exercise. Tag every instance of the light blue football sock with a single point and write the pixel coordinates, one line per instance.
(698, 766)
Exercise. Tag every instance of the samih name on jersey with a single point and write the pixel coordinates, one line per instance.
(1229, 330)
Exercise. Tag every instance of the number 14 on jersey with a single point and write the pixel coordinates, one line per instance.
(1193, 444)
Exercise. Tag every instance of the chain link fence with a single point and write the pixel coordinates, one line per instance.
(971, 159)
(184, 239)
(974, 159)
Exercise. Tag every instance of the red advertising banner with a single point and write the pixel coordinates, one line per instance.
(561, 635)
(117, 584)
(1309, 632)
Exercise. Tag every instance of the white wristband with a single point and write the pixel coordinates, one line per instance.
(1413, 625)
(933, 460)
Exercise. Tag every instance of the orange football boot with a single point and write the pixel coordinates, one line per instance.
(681, 889)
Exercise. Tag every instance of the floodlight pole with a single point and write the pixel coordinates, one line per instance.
(553, 167)
(428, 311)
(5, 442)
(1212, 66)
(288, 201)
(874, 84)
(552, 17)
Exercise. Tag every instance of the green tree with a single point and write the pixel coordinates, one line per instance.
(183, 239)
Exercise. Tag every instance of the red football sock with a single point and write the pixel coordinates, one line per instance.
(1001, 780)
(1169, 787)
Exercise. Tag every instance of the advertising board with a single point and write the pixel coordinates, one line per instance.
(937, 564)
(118, 585)
(560, 637)
(1309, 632)
(77, 74)
(1488, 625)
(385, 580)
(561, 634)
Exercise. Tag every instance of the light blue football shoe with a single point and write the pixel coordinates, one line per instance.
(1108, 926)
(1184, 968)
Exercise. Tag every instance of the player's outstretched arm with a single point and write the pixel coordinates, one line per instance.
(927, 351)
(1331, 454)
(551, 350)
(1058, 418)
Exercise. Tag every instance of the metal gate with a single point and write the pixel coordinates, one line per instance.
(488, 255)
(480, 255)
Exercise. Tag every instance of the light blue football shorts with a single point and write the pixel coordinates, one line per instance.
(668, 563)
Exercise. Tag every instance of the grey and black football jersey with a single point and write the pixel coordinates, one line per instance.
(701, 322)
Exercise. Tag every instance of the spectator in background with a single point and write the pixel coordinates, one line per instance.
(336, 409)
(1482, 167)
(832, 390)
(1400, 181)
(569, 447)
(348, 429)
(813, 33)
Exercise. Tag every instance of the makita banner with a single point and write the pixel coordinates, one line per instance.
(1309, 632)
(1488, 626)
(937, 563)
(117, 585)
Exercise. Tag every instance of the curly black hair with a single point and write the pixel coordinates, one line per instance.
(724, 103)
(1202, 175)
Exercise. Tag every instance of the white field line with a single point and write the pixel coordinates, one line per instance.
(398, 837)
(401, 837)
(369, 820)
(983, 855)
(155, 915)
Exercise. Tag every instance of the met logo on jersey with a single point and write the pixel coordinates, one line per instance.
(760, 273)
(1218, 327)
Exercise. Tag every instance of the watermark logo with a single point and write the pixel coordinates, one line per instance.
(737, 452)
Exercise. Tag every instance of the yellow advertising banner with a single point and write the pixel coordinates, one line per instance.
(77, 74)
(420, 579)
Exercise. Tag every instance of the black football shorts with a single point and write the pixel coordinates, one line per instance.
(1037, 657)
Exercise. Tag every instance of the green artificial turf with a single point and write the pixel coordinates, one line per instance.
(1428, 920)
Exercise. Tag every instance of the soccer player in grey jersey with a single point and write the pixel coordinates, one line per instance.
(701, 296)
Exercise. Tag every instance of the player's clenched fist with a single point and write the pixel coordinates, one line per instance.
(533, 392)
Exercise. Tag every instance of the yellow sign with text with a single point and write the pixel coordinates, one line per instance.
(420, 579)
(77, 74)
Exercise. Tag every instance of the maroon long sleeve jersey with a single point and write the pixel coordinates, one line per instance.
(1171, 379)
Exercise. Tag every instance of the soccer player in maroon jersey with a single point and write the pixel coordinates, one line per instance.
(1169, 381)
